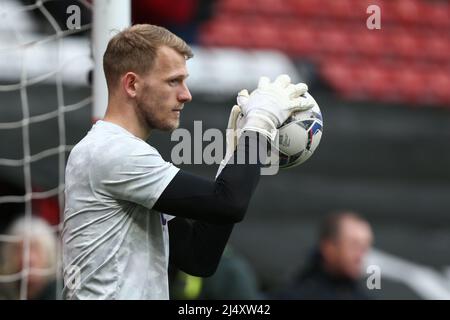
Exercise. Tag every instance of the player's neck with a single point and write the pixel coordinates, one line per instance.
(127, 120)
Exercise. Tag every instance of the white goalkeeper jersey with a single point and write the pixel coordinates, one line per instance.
(114, 245)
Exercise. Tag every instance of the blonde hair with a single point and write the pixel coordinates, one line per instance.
(134, 49)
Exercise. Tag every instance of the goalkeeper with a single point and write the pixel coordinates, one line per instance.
(124, 202)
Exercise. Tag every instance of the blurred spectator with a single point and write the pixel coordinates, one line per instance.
(335, 268)
(41, 282)
(234, 279)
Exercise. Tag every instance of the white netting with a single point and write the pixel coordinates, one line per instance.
(39, 59)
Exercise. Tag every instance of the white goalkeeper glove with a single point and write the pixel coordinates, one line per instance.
(231, 137)
(271, 104)
(262, 106)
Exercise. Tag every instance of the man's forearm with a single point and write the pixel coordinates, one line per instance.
(196, 246)
(222, 201)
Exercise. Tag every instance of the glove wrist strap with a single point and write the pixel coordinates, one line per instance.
(262, 124)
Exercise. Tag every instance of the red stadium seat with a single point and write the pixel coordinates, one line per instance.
(307, 8)
(438, 83)
(343, 78)
(371, 43)
(406, 12)
(223, 33)
(404, 44)
(376, 82)
(264, 34)
(273, 7)
(301, 40)
(435, 47)
(437, 14)
(342, 9)
(410, 84)
(235, 6)
(391, 64)
(334, 41)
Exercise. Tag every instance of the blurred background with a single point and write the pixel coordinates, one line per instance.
(384, 95)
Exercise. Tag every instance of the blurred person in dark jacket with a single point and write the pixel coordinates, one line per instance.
(335, 269)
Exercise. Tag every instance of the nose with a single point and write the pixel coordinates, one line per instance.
(185, 96)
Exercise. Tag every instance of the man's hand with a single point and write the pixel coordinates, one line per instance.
(271, 104)
(267, 108)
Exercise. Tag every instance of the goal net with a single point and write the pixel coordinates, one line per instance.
(47, 72)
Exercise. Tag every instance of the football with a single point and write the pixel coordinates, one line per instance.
(299, 137)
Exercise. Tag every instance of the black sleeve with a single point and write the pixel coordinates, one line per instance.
(224, 200)
(196, 246)
(207, 210)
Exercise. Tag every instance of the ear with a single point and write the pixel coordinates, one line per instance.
(130, 84)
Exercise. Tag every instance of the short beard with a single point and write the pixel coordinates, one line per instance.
(146, 114)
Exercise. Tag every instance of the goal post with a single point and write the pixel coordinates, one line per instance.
(109, 17)
(43, 63)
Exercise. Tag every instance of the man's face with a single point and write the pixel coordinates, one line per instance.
(346, 253)
(163, 91)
